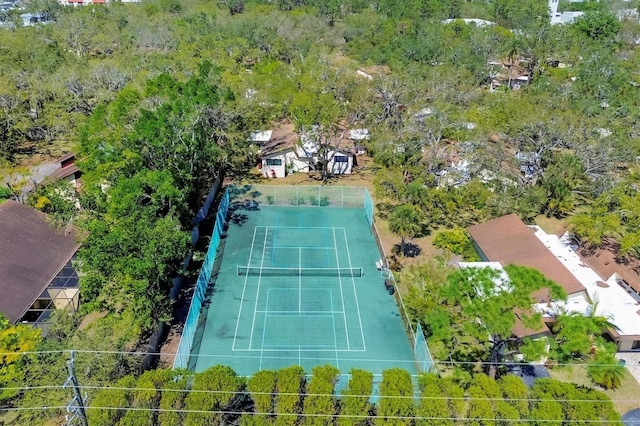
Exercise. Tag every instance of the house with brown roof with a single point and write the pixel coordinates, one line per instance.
(68, 170)
(508, 240)
(519, 329)
(509, 72)
(608, 264)
(36, 271)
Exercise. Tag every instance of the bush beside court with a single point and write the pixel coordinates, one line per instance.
(289, 397)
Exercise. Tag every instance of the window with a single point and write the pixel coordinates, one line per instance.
(340, 159)
(274, 162)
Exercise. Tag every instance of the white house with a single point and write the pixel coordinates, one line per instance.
(282, 152)
(279, 155)
(341, 162)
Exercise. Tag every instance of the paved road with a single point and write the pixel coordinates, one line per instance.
(632, 362)
(35, 175)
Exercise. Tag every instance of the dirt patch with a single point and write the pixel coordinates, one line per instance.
(363, 175)
(390, 240)
(90, 319)
(33, 154)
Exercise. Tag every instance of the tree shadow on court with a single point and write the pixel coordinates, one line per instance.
(410, 249)
(237, 207)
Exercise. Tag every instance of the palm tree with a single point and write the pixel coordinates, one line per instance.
(513, 52)
(406, 222)
(606, 371)
(600, 323)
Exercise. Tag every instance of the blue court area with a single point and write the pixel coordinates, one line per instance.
(298, 286)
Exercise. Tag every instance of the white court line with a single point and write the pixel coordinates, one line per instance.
(303, 313)
(244, 288)
(335, 338)
(297, 347)
(255, 307)
(267, 349)
(303, 247)
(264, 329)
(298, 227)
(299, 280)
(355, 294)
(346, 328)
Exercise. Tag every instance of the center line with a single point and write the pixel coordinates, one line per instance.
(300, 280)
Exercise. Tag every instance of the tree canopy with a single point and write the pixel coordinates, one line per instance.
(159, 98)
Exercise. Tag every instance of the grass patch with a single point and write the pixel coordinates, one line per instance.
(624, 398)
(550, 225)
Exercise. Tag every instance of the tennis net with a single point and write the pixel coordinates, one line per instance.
(296, 272)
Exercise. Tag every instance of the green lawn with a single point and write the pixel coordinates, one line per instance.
(624, 398)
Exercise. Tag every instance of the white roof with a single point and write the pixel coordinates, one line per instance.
(261, 136)
(502, 281)
(565, 17)
(476, 22)
(614, 302)
(359, 134)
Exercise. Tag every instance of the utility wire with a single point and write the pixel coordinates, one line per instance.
(296, 358)
(313, 415)
(332, 395)
(302, 394)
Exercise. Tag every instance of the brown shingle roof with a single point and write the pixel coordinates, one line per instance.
(606, 262)
(508, 240)
(283, 138)
(32, 252)
(520, 330)
(64, 172)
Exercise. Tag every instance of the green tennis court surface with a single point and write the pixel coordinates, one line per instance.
(299, 285)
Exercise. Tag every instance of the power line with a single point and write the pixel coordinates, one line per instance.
(314, 415)
(303, 394)
(333, 395)
(295, 358)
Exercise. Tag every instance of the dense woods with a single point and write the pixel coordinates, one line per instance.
(159, 98)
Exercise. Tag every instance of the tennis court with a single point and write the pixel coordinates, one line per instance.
(299, 285)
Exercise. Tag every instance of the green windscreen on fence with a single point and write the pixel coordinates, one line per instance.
(368, 207)
(301, 196)
(191, 324)
(422, 353)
